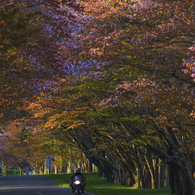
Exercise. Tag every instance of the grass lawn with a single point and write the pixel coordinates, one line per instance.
(10, 172)
(100, 186)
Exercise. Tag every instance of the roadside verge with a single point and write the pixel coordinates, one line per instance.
(96, 185)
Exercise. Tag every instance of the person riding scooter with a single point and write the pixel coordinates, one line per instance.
(78, 173)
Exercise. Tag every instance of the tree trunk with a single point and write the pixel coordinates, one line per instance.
(89, 166)
(152, 169)
(185, 183)
(155, 167)
(140, 181)
(116, 178)
(171, 180)
(161, 174)
(174, 180)
(180, 182)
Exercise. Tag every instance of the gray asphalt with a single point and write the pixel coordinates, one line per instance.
(31, 185)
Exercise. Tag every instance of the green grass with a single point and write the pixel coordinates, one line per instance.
(100, 186)
(10, 172)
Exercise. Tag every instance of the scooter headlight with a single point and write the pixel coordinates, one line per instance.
(77, 182)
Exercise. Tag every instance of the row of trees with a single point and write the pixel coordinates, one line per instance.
(111, 79)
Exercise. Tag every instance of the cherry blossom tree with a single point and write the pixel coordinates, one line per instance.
(121, 72)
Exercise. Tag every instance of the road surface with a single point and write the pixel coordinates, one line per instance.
(31, 185)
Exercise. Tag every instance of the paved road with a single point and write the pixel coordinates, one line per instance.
(31, 185)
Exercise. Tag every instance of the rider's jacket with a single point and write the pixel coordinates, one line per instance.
(79, 174)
